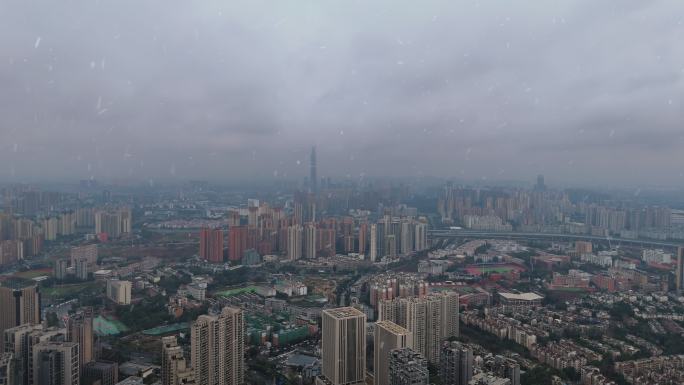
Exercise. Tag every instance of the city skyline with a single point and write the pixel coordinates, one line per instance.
(393, 192)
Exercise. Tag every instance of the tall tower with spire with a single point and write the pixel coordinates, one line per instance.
(313, 178)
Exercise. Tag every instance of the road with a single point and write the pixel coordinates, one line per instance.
(520, 235)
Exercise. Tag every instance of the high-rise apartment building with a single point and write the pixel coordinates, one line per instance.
(362, 239)
(420, 237)
(81, 269)
(390, 245)
(237, 242)
(11, 251)
(373, 253)
(211, 245)
(174, 368)
(56, 363)
(407, 367)
(233, 218)
(450, 306)
(119, 291)
(6, 369)
(456, 364)
(430, 319)
(100, 372)
(309, 241)
(294, 242)
(114, 222)
(218, 348)
(583, 247)
(19, 304)
(60, 270)
(388, 336)
(343, 347)
(406, 238)
(80, 330)
(87, 252)
(20, 340)
(679, 272)
(50, 228)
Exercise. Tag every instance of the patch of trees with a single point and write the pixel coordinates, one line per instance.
(173, 282)
(149, 313)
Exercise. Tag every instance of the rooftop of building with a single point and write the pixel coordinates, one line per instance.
(133, 380)
(522, 296)
(392, 327)
(344, 312)
(17, 283)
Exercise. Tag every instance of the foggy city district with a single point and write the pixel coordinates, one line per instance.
(463, 192)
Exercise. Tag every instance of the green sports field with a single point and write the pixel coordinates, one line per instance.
(108, 327)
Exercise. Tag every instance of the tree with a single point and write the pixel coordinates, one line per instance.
(571, 374)
(621, 310)
(52, 319)
(538, 375)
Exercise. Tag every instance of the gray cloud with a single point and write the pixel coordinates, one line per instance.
(577, 89)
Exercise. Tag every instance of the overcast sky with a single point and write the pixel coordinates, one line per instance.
(580, 90)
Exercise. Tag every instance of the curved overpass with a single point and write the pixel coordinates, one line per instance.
(521, 235)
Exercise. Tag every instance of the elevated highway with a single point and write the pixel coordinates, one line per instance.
(549, 236)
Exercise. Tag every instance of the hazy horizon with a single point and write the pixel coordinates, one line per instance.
(585, 93)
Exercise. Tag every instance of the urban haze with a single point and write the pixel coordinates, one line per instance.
(312, 192)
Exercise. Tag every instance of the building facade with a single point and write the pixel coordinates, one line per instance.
(218, 348)
(343, 346)
(388, 336)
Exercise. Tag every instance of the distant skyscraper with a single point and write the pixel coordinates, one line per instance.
(211, 245)
(679, 273)
(388, 336)
(363, 238)
(456, 364)
(60, 270)
(343, 347)
(313, 177)
(81, 269)
(390, 245)
(294, 242)
(407, 367)
(237, 242)
(233, 218)
(114, 223)
(87, 252)
(373, 254)
(19, 305)
(218, 348)
(540, 186)
(309, 242)
(420, 237)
